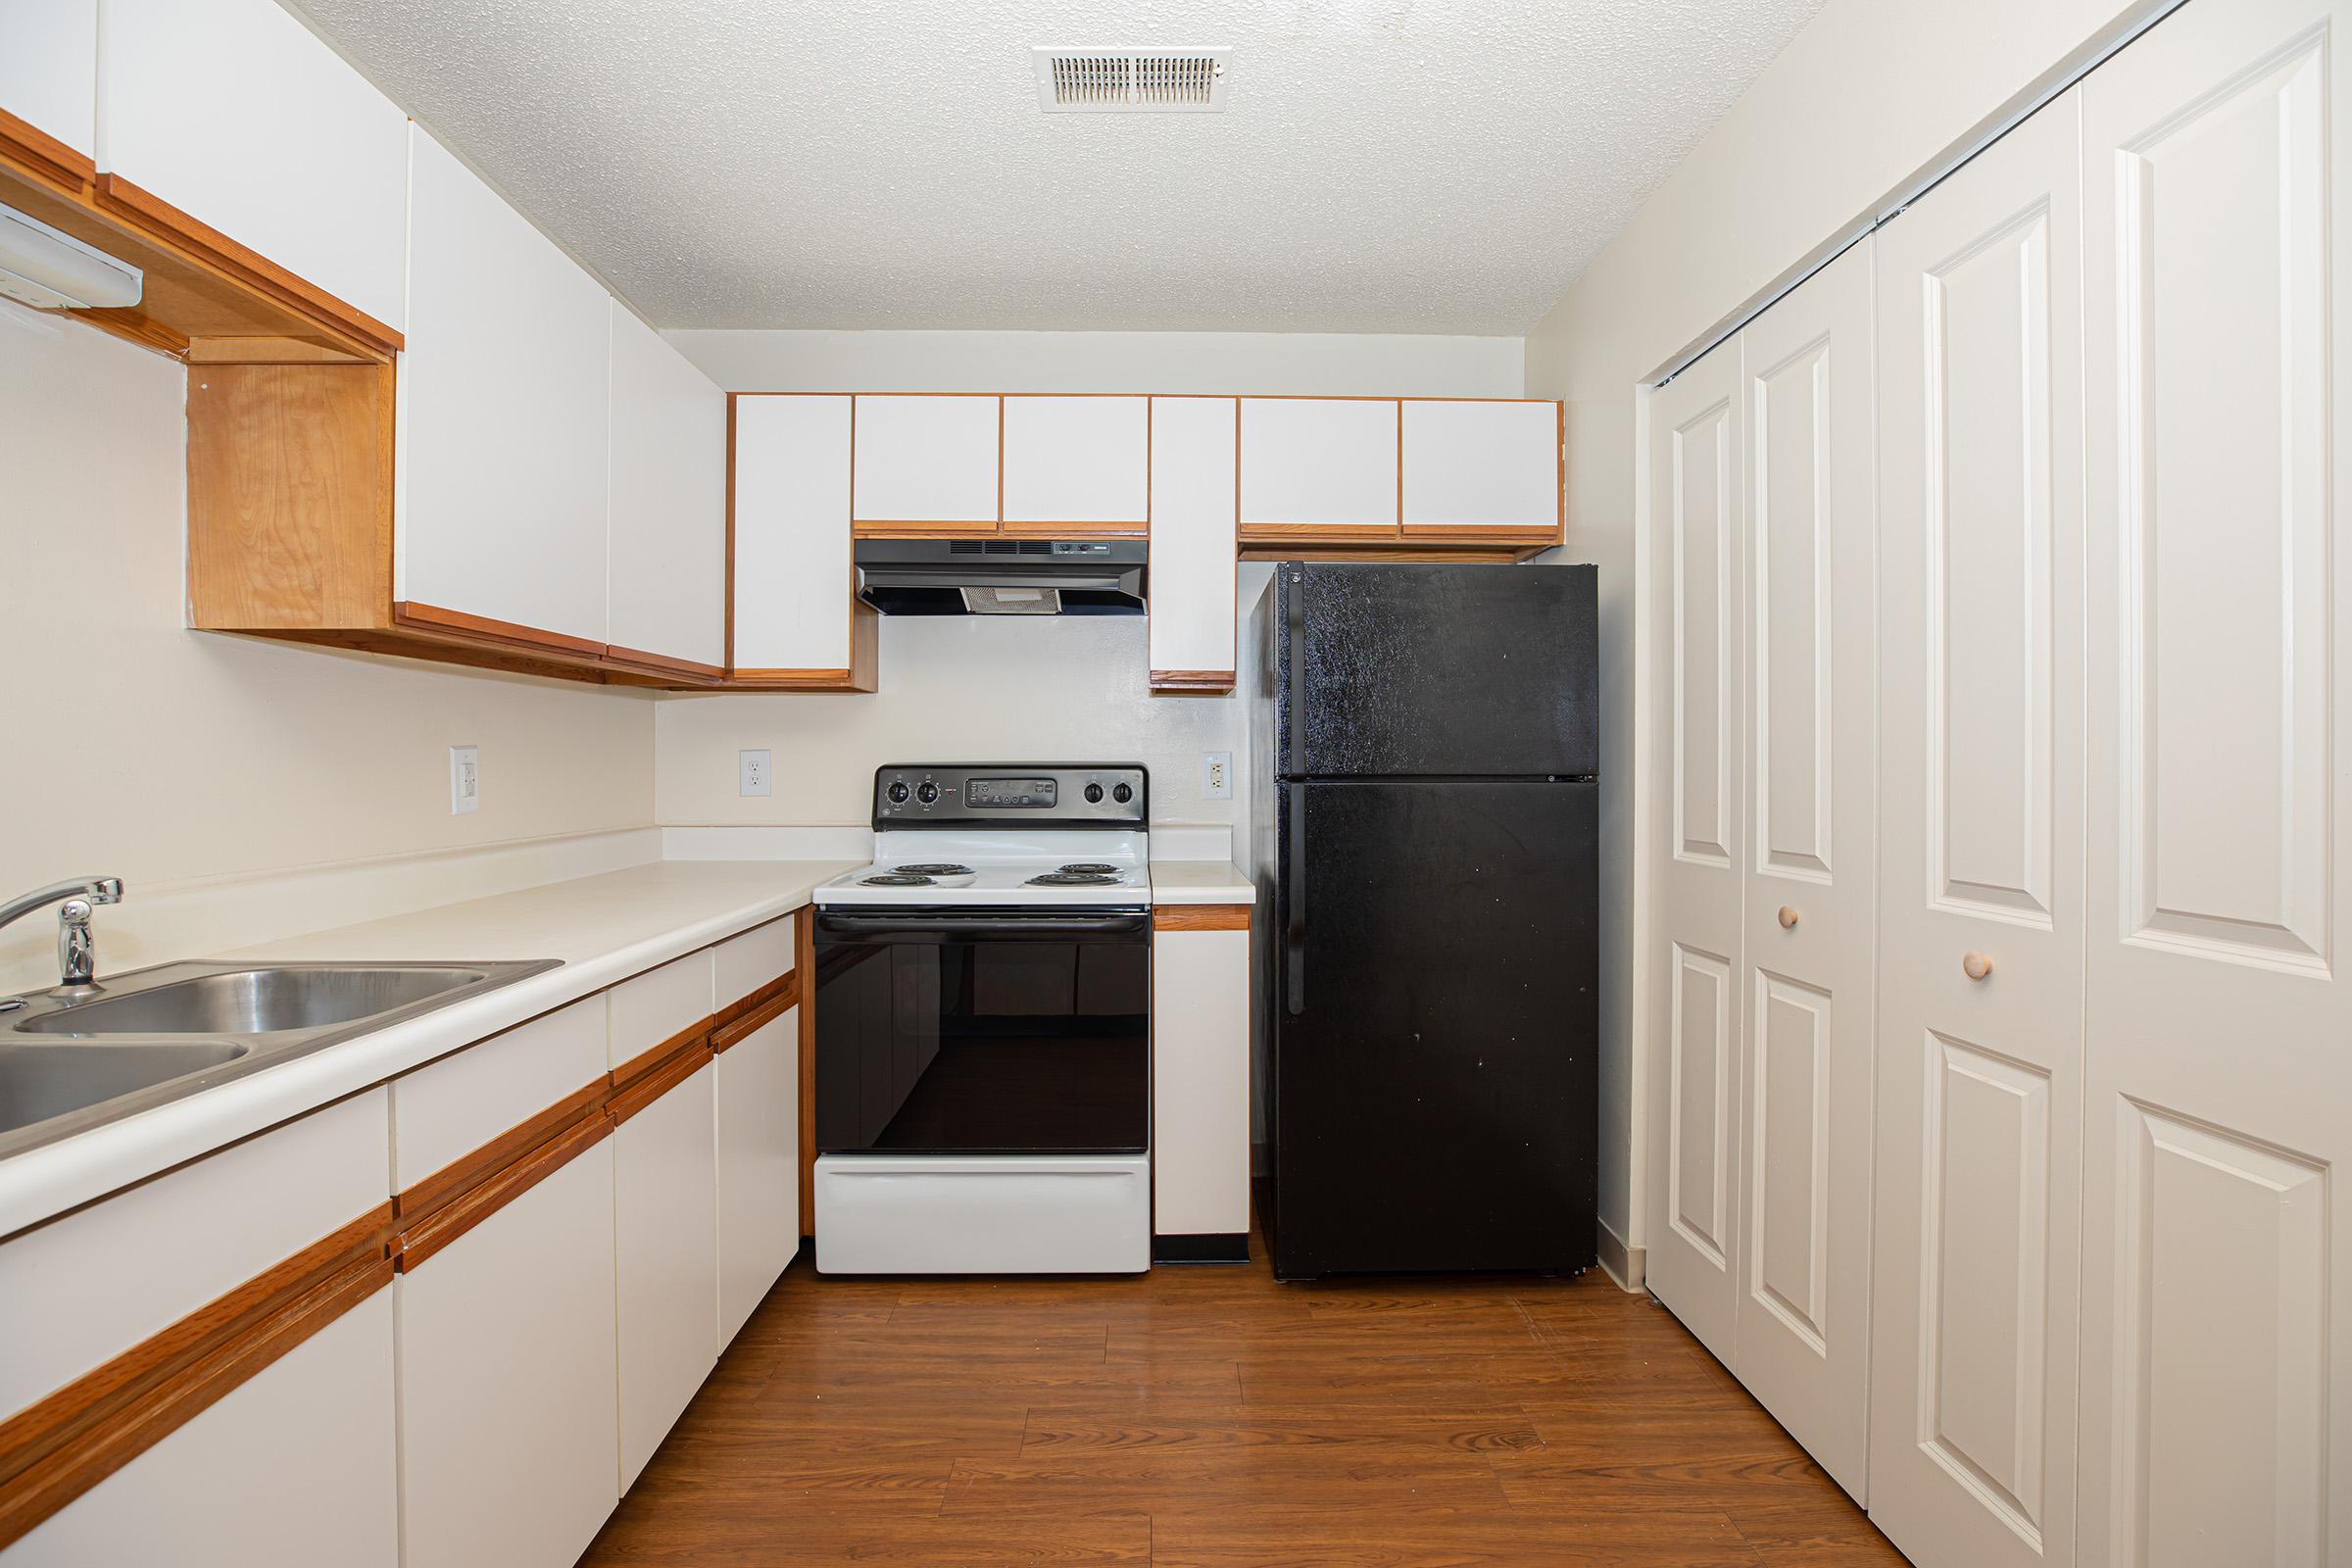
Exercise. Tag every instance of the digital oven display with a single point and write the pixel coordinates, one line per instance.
(1009, 794)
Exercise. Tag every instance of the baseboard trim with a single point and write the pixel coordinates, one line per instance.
(1230, 1246)
(1621, 1263)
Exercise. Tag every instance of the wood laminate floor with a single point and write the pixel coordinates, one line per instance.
(1208, 1415)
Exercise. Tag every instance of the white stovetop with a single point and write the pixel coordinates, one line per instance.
(1001, 864)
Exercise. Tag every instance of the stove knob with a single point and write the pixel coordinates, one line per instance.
(1093, 794)
(1123, 794)
(897, 794)
(926, 792)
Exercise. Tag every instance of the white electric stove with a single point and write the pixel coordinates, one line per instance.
(982, 998)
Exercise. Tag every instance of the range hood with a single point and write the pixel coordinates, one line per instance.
(1001, 576)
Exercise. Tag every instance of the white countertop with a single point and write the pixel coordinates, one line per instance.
(602, 928)
(1200, 882)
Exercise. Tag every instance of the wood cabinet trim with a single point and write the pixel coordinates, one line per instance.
(1193, 682)
(651, 1087)
(665, 664)
(36, 152)
(754, 999)
(654, 1060)
(1134, 528)
(419, 1200)
(418, 1242)
(58, 1448)
(1512, 534)
(1278, 532)
(1166, 917)
(775, 1004)
(433, 617)
(143, 210)
(1502, 553)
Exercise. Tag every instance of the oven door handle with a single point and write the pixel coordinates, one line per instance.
(984, 925)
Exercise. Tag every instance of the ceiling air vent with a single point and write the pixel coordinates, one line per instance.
(1131, 81)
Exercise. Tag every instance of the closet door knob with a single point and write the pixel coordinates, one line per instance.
(1787, 918)
(1976, 965)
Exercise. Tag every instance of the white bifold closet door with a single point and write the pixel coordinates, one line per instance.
(1761, 490)
(1980, 1081)
(2217, 1286)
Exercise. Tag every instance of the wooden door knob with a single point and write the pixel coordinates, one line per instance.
(1787, 918)
(1976, 965)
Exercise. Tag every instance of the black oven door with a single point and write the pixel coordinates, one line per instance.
(971, 1032)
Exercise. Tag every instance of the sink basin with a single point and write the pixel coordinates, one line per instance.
(41, 1081)
(257, 1002)
(71, 1060)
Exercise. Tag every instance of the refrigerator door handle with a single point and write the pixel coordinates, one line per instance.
(1294, 937)
(1294, 603)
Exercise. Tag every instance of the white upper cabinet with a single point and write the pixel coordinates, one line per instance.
(237, 114)
(1191, 577)
(1077, 461)
(792, 532)
(503, 415)
(667, 539)
(49, 69)
(927, 459)
(1329, 462)
(1481, 464)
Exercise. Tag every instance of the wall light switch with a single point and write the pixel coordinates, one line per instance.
(464, 779)
(1216, 775)
(758, 772)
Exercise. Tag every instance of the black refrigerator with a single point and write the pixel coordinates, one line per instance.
(1424, 766)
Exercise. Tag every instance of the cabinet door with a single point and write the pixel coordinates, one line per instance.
(665, 1250)
(1201, 1082)
(1484, 468)
(1804, 1228)
(49, 69)
(1319, 468)
(237, 114)
(1077, 464)
(1698, 528)
(292, 1468)
(1979, 1085)
(2217, 1336)
(509, 1426)
(667, 534)
(503, 418)
(794, 584)
(928, 465)
(1193, 544)
(759, 1166)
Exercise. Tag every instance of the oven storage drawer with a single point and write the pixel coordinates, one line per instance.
(937, 1214)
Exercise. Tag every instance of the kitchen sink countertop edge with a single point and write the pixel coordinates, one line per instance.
(1200, 882)
(603, 929)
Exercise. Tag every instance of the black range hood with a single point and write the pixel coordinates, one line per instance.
(1001, 576)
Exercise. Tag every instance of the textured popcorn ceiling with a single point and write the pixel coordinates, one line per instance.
(1416, 166)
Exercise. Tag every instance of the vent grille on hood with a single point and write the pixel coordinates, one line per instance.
(1131, 81)
(1011, 601)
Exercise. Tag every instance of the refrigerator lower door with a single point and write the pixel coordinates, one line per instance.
(1431, 1011)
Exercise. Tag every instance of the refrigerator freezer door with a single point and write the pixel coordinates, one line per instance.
(1431, 1007)
(1410, 671)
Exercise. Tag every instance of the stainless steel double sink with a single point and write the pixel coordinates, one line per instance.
(75, 1057)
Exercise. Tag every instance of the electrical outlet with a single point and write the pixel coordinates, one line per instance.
(464, 779)
(756, 770)
(1216, 775)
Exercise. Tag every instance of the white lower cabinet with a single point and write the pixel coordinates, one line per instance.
(666, 1251)
(293, 1469)
(1201, 1082)
(509, 1426)
(759, 1083)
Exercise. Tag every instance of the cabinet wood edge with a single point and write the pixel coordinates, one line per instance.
(1193, 682)
(58, 1448)
(1168, 917)
(776, 998)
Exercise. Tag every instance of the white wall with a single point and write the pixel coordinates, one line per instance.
(1263, 362)
(1870, 92)
(989, 689)
(139, 749)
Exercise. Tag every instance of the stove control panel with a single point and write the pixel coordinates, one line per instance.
(1024, 794)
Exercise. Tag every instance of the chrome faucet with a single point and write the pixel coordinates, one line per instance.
(76, 948)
